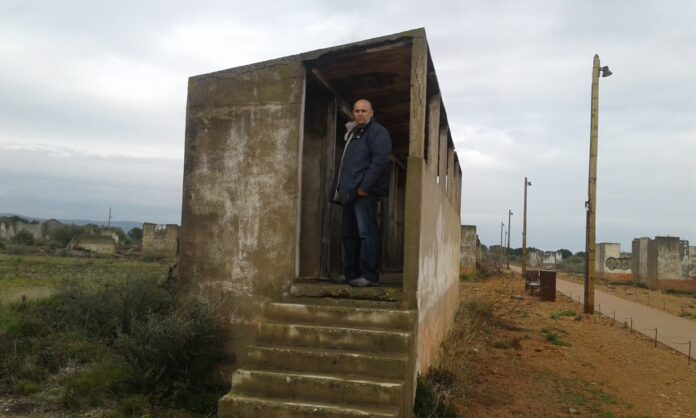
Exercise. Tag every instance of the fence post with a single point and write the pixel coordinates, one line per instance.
(631, 323)
(689, 353)
(655, 337)
(614, 313)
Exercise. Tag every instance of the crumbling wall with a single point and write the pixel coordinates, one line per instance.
(468, 250)
(98, 244)
(160, 240)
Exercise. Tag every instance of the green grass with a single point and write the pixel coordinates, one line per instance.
(38, 277)
(555, 336)
(559, 314)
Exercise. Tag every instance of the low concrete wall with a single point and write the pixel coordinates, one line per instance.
(97, 244)
(468, 250)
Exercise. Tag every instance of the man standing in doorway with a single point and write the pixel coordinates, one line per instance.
(363, 178)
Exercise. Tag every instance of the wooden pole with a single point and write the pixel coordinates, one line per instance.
(524, 231)
(592, 193)
(507, 253)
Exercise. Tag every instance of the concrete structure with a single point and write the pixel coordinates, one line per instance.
(262, 146)
(98, 244)
(609, 260)
(160, 240)
(468, 250)
(664, 259)
(692, 263)
(9, 227)
(639, 260)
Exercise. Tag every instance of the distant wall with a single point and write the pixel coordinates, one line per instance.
(639, 260)
(40, 230)
(160, 240)
(609, 260)
(468, 250)
(664, 259)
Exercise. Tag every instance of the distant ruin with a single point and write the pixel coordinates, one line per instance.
(11, 226)
(468, 250)
(160, 240)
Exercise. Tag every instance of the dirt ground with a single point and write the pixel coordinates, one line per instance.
(531, 365)
(683, 305)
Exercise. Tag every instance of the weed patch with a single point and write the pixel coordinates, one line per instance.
(560, 314)
(555, 336)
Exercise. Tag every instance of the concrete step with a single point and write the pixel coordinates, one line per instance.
(363, 317)
(380, 365)
(324, 288)
(339, 338)
(235, 405)
(325, 388)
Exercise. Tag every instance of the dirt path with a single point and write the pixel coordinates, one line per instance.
(544, 360)
(677, 333)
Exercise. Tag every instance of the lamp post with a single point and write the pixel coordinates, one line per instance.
(507, 252)
(524, 228)
(591, 204)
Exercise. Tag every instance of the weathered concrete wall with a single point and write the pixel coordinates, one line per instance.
(664, 259)
(684, 258)
(610, 260)
(432, 239)
(468, 250)
(238, 237)
(160, 240)
(98, 244)
(692, 262)
(639, 260)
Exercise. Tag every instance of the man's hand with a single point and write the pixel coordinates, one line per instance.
(362, 193)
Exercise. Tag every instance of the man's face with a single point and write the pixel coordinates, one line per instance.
(362, 112)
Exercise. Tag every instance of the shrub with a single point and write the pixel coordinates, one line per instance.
(23, 237)
(559, 314)
(174, 355)
(433, 393)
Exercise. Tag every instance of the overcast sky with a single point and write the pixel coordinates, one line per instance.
(93, 96)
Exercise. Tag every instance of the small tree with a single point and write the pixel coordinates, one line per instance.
(23, 237)
(136, 234)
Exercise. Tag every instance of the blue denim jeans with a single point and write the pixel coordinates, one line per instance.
(362, 246)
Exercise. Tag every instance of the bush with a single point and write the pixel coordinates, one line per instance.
(433, 393)
(111, 308)
(174, 355)
(23, 237)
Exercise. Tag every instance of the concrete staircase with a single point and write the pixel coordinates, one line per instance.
(325, 357)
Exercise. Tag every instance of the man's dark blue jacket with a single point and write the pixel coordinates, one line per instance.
(365, 163)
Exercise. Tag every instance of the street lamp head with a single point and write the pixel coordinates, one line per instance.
(529, 183)
(605, 71)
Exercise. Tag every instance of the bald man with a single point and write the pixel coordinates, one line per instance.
(363, 178)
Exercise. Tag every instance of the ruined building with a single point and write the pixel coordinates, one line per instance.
(259, 235)
(160, 240)
(662, 259)
(468, 250)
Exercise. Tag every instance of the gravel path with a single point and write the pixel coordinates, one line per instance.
(673, 331)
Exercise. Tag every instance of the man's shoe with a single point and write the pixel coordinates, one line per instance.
(339, 280)
(363, 282)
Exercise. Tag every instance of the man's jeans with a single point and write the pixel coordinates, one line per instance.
(362, 245)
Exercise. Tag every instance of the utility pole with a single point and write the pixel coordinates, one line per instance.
(591, 204)
(524, 229)
(108, 224)
(507, 253)
(500, 250)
